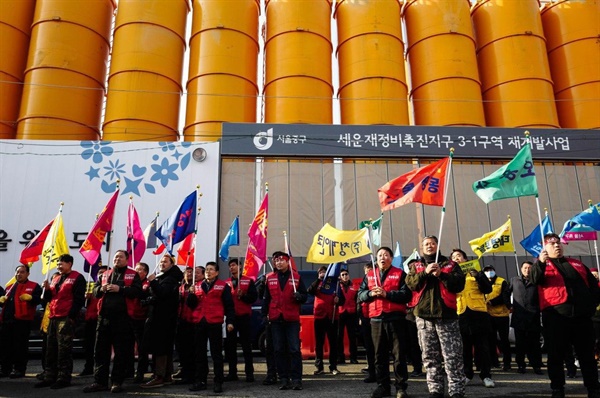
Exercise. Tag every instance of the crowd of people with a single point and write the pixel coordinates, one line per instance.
(446, 321)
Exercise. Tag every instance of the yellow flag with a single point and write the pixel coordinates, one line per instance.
(331, 245)
(469, 265)
(55, 245)
(499, 240)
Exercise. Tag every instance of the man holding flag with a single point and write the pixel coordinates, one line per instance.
(568, 294)
(386, 294)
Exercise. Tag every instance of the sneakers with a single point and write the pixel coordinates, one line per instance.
(287, 385)
(381, 391)
(116, 388)
(297, 385)
(489, 383)
(354, 361)
(401, 394)
(154, 383)
(95, 387)
(319, 372)
(335, 372)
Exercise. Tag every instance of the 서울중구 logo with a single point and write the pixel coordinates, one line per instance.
(264, 139)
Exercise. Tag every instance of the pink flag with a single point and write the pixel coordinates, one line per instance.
(256, 254)
(90, 250)
(135, 237)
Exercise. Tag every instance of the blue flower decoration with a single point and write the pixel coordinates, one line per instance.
(96, 150)
(164, 172)
(114, 169)
(167, 146)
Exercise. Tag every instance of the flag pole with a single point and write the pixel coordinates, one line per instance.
(53, 244)
(591, 204)
(156, 247)
(437, 254)
(110, 233)
(131, 241)
(515, 251)
(373, 262)
(285, 241)
(90, 269)
(194, 240)
(335, 305)
(537, 199)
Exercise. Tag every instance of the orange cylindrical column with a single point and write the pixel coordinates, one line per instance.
(572, 30)
(298, 50)
(222, 84)
(513, 64)
(144, 83)
(66, 70)
(15, 30)
(370, 52)
(445, 85)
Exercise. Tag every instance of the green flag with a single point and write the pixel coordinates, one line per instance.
(375, 229)
(515, 179)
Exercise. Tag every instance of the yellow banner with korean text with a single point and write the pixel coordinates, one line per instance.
(331, 245)
(499, 240)
(469, 265)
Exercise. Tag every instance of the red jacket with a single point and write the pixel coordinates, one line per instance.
(381, 305)
(91, 311)
(211, 303)
(282, 301)
(554, 292)
(62, 301)
(140, 312)
(24, 310)
(127, 280)
(323, 306)
(448, 297)
(241, 308)
(350, 293)
(190, 315)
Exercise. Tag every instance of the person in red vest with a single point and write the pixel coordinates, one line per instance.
(348, 318)
(116, 290)
(385, 291)
(216, 303)
(18, 310)
(568, 294)
(284, 294)
(244, 294)
(140, 314)
(65, 296)
(435, 280)
(326, 321)
(159, 334)
(189, 317)
(91, 322)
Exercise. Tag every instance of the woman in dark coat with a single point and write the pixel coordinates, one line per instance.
(159, 335)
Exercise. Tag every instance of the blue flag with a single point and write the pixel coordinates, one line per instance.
(231, 239)
(589, 217)
(180, 224)
(397, 260)
(533, 243)
(331, 279)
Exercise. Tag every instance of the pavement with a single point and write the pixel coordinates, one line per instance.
(347, 384)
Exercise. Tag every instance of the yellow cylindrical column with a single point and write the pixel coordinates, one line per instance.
(513, 64)
(572, 30)
(370, 52)
(298, 50)
(144, 83)
(222, 84)
(15, 30)
(66, 70)
(445, 85)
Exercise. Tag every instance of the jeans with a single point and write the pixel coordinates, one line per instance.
(289, 362)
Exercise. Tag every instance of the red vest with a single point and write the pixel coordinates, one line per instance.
(128, 280)
(62, 301)
(553, 291)
(24, 310)
(241, 308)
(139, 311)
(282, 301)
(211, 303)
(190, 315)
(323, 306)
(448, 297)
(349, 306)
(392, 282)
(91, 312)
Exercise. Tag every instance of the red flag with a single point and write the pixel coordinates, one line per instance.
(90, 250)
(186, 252)
(423, 185)
(31, 252)
(135, 237)
(256, 254)
(159, 250)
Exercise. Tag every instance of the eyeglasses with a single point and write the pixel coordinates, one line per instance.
(343, 274)
(552, 241)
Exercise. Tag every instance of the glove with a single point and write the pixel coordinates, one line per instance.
(90, 287)
(2, 299)
(298, 296)
(473, 272)
(25, 297)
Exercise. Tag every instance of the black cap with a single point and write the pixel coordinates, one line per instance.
(489, 267)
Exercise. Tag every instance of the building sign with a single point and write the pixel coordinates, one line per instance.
(305, 140)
